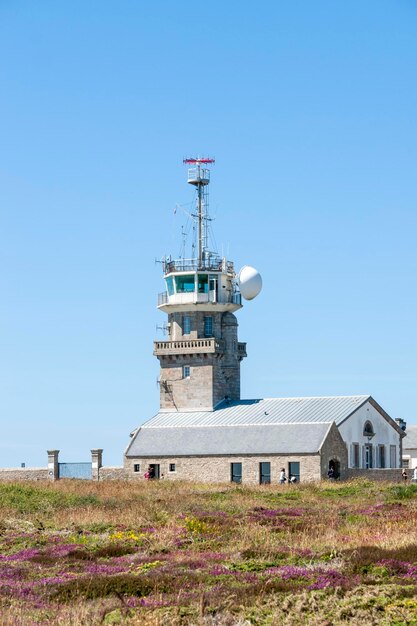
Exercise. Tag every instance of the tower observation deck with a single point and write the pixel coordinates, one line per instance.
(207, 280)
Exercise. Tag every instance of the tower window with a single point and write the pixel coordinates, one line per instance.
(208, 326)
(186, 325)
(202, 283)
(186, 371)
(170, 285)
(185, 283)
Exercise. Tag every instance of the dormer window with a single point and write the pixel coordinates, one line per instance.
(368, 430)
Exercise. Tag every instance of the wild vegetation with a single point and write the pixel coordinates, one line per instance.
(80, 553)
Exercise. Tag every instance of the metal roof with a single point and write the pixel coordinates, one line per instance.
(226, 440)
(268, 411)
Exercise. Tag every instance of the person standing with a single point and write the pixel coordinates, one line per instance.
(282, 476)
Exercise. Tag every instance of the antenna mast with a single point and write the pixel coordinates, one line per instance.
(199, 176)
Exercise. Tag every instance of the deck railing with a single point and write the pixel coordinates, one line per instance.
(188, 346)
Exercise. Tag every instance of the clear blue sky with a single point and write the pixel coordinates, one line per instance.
(310, 110)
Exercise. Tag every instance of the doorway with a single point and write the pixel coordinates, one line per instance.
(154, 470)
(368, 456)
(334, 469)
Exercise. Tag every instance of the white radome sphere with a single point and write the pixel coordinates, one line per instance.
(250, 282)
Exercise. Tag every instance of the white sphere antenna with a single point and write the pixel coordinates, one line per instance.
(250, 282)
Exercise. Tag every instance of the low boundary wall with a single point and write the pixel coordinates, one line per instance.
(391, 475)
(51, 472)
(24, 473)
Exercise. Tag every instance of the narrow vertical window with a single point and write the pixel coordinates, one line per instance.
(393, 456)
(208, 326)
(186, 371)
(136, 467)
(294, 471)
(354, 455)
(186, 325)
(382, 456)
(236, 472)
(264, 473)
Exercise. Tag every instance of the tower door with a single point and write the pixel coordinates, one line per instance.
(213, 288)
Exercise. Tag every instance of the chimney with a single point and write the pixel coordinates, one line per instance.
(401, 423)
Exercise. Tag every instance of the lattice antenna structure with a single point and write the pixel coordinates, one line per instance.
(199, 176)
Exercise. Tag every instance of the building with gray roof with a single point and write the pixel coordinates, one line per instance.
(204, 430)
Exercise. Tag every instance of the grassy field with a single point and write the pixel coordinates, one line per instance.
(80, 553)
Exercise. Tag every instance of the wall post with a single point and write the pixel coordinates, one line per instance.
(53, 466)
(96, 463)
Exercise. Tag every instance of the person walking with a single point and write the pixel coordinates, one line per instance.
(282, 477)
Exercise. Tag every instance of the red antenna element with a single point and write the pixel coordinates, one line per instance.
(198, 160)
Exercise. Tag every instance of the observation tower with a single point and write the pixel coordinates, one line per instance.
(200, 360)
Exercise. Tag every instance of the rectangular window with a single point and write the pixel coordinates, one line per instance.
(294, 470)
(186, 371)
(406, 463)
(184, 284)
(236, 472)
(354, 455)
(393, 456)
(264, 473)
(170, 285)
(202, 283)
(172, 467)
(208, 326)
(381, 450)
(186, 325)
(136, 467)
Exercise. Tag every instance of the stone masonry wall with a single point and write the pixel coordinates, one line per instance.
(216, 469)
(24, 473)
(113, 473)
(334, 448)
(392, 475)
(194, 392)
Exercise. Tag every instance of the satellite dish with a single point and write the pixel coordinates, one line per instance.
(250, 282)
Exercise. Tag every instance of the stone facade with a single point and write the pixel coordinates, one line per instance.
(213, 362)
(217, 469)
(334, 449)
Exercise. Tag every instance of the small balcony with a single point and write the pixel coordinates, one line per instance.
(190, 346)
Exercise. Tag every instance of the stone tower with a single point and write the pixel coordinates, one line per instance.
(200, 361)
